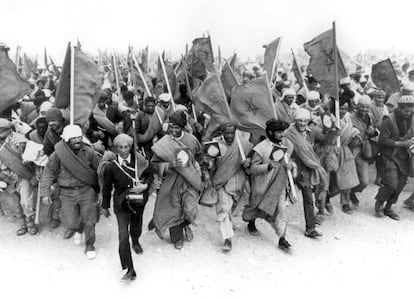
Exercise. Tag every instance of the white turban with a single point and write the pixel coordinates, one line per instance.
(71, 131)
(288, 92)
(181, 108)
(46, 105)
(123, 138)
(345, 81)
(164, 97)
(406, 99)
(302, 113)
(364, 99)
(313, 95)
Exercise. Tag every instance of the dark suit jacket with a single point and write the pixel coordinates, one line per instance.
(114, 177)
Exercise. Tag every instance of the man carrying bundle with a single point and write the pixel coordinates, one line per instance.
(269, 181)
(229, 178)
(73, 166)
(177, 157)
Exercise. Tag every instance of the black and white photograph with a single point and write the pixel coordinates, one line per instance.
(206, 150)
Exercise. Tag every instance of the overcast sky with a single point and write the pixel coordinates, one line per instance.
(242, 25)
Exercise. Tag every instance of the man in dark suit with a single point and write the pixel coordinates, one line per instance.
(120, 173)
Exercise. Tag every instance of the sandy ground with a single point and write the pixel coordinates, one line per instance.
(359, 257)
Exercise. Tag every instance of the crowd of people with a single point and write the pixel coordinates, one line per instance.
(136, 145)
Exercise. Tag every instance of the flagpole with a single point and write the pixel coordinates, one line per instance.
(274, 62)
(118, 89)
(166, 79)
(141, 74)
(300, 72)
(189, 87)
(270, 95)
(232, 72)
(72, 85)
(242, 154)
(335, 50)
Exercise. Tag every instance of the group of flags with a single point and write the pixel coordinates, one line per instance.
(216, 90)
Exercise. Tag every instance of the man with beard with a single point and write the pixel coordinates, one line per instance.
(269, 180)
(312, 177)
(38, 135)
(121, 174)
(229, 178)
(149, 125)
(396, 141)
(73, 166)
(177, 157)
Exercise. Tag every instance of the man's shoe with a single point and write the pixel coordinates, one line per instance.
(354, 200)
(129, 276)
(68, 233)
(312, 233)
(54, 223)
(90, 252)
(284, 245)
(188, 233)
(251, 228)
(137, 248)
(391, 214)
(21, 231)
(77, 238)
(32, 228)
(329, 207)
(347, 209)
(379, 211)
(318, 219)
(179, 244)
(227, 245)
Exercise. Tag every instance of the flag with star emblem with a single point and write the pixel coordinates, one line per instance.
(251, 107)
(321, 62)
(384, 77)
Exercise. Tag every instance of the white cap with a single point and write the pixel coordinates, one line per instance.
(181, 108)
(46, 105)
(71, 131)
(364, 99)
(288, 92)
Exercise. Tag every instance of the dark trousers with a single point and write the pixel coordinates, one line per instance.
(177, 232)
(308, 208)
(80, 212)
(129, 224)
(393, 183)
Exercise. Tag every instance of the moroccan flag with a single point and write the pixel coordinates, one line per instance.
(296, 71)
(384, 77)
(200, 58)
(229, 79)
(161, 83)
(12, 86)
(270, 57)
(233, 61)
(87, 85)
(136, 78)
(251, 107)
(54, 68)
(144, 60)
(209, 98)
(321, 62)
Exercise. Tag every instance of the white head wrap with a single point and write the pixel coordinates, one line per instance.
(364, 99)
(46, 105)
(313, 95)
(301, 113)
(288, 92)
(71, 131)
(164, 97)
(181, 108)
(406, 99)
(345, 81)
(123, 138)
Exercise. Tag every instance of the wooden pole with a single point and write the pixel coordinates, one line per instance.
(232, 72)
(141, 74)
(37, 216)
(270, 95)
(335, 50)
(275, 60)
(118, 89)
(243, 155)
(166, 80)
(72, 85)
(190, 93)
(300, 72)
